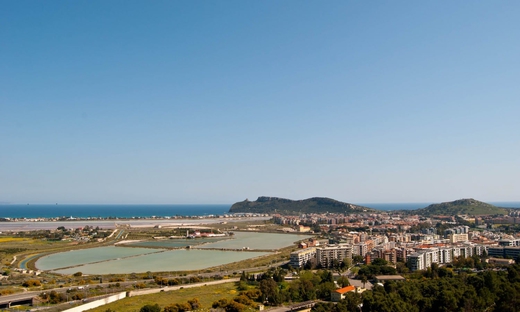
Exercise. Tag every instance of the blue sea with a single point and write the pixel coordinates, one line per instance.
(106, 211)
(148, 211)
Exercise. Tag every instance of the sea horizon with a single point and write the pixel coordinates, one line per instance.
(110, 210)
(162, 210)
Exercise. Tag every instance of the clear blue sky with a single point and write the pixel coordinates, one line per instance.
(218, 101)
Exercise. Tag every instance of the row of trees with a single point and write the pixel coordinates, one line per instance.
(54, 297)
(162, 281)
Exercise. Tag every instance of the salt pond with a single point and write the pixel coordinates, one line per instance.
(174, 260)
(176, 243)
(252, 240)
(84, 256)
(106, 260)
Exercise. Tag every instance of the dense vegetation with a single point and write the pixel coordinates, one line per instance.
(462, 206)
(485, 291)
(437, 289)
(287, 206)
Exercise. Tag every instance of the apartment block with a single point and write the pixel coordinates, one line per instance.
(300, 257)
(327, 255)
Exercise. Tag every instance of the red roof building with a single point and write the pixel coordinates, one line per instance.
(339, 294)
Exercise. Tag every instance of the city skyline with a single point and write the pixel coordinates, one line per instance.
(208, 102)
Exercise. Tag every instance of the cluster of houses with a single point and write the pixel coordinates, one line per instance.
(419, 252)
(395, 239)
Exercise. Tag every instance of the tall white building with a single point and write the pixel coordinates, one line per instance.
(300, 257)
(416, 261)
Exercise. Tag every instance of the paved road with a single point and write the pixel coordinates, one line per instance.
(18, 297)
(177, 287)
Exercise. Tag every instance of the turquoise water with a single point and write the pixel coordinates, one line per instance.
(84, 256)
(174, 260)
(105, 260)
(254, 240)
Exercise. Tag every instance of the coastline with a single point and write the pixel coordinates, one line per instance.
(24, 225)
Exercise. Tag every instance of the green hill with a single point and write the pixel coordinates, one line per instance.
(468, 206)
(286, 206)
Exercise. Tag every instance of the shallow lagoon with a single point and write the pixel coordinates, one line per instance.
(106, 260)
(262, 241)
(84, 256)
(174, 260)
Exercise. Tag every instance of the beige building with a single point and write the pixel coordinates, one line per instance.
(327, 255)
(457, 238)
(339, 294)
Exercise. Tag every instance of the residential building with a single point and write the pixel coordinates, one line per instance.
(327, 255)
(300, 257)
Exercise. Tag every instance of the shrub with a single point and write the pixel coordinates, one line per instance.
(243, 300)
(251, 294)
(31, 283)
(178, 307)
(195, 279)
(78, 296)
(4, 292)
(151, 308)
(194, 303)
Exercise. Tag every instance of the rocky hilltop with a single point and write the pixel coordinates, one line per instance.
(467, 206)
(286, 206)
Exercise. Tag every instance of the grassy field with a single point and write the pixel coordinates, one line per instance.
(206, 295)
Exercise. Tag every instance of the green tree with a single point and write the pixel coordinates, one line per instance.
(343, 281)
(364, 280)
(346, 264)
(350, 303)
(270, 292)
(325, 289)
(379, 261)
(357, 259)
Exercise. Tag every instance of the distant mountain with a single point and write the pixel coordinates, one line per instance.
(467, 206)
(286, 206)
